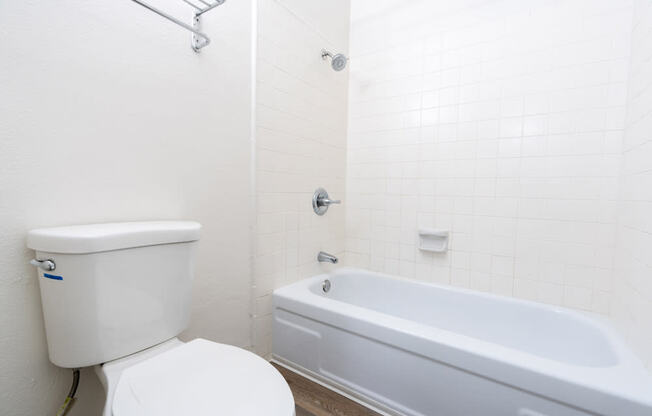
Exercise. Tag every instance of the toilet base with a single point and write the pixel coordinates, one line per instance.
(109, 372)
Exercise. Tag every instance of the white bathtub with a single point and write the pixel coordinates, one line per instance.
(410, 348)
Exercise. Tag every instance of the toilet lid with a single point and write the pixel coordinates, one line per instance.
(203, 378)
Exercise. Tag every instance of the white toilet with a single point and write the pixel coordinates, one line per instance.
(115, 296)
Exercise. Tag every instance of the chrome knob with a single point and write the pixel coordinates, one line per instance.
(321, 201)
(326, 285)
(47, 265)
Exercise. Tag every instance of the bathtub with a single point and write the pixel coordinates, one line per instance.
(408, 348)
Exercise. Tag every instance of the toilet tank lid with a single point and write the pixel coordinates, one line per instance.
(94, 238)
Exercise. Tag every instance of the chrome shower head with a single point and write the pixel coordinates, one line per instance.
(338, 61)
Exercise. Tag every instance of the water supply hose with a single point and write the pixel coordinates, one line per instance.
(71, 395)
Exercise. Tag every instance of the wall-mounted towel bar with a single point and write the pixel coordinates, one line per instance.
(199, 39)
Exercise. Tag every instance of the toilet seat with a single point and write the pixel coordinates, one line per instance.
(202, 378)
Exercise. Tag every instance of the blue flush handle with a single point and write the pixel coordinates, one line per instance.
(47, 265)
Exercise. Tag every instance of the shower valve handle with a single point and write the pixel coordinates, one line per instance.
(321, 201)
(324, 202)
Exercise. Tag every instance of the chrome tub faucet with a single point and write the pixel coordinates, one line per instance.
(324, 257)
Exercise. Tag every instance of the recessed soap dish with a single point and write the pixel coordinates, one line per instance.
(433, 240)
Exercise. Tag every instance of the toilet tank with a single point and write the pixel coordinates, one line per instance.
(116, 288)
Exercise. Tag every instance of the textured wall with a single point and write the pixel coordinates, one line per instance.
(633, 277)
(300, 144)
(500, 121)
(107, 115)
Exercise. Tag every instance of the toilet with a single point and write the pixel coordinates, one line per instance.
(116, 296)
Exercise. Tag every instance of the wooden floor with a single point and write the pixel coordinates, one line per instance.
(312, 399)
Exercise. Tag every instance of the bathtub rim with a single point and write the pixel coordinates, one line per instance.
(505, 365)
(600, 323)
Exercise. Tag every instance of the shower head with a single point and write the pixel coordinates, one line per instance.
(338, 61)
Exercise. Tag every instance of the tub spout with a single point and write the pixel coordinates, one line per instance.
(323, 257)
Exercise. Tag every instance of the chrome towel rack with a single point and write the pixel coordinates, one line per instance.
(199, 38)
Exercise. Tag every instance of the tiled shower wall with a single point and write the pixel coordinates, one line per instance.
(633, 284)
(300, 145)
(500, 121)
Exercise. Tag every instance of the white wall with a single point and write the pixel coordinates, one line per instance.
(633, 282)
(501, 121)
(301, 117)
(107, 115)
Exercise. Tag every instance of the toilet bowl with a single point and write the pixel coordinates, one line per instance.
(116, 296)
(195, 378)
